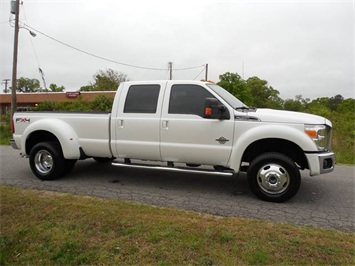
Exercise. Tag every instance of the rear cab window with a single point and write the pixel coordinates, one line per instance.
(142, 99)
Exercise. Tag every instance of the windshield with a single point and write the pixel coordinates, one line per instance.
(229, 98)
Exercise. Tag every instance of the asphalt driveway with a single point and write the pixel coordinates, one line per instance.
(325, 201)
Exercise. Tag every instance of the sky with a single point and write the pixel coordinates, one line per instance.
(300, 47)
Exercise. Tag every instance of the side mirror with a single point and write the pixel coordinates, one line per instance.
(215, 110)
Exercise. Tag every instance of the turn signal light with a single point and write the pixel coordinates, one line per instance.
(312, 133)
(208, 111)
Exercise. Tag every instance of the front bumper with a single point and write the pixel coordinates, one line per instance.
(320, 163)
(326, 162)
(13, 144)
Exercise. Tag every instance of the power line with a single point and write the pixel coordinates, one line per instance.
(36, 55)
(107, 59)
(200, 73)
(188, 68)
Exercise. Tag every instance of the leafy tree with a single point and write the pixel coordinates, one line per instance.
(335, 101)
(347, 106)
(343, 120)
(264, 96)
(54, 88)
(233, 83)
(87, 88)
(28, 85)
(297, 105)
(320, 107)
(293, 105)
(102, 103)
(107, 80)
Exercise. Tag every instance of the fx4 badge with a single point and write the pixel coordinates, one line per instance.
(222, 140)
(23, 120)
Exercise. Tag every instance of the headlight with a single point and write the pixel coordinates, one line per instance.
(321, 135)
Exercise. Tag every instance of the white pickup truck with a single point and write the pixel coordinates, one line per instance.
(189, 126)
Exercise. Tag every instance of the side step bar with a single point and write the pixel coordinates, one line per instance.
(174, 169)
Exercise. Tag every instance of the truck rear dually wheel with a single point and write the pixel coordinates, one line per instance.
(47, 161)
(274, 177)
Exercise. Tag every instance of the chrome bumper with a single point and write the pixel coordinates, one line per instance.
(326, 162)
(13, 144)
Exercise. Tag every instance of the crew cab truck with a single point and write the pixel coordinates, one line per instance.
(185, 124)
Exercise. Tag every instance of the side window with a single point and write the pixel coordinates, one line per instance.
(188, 99)
(142, 99)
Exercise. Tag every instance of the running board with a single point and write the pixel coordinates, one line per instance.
(174, 169)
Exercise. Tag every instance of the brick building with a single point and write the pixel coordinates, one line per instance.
(26, 101)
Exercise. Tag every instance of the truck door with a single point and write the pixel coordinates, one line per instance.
(137, 124)
(188, 137)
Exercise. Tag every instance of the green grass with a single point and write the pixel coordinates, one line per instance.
(47, 228)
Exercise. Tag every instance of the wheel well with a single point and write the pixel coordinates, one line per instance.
(39, 136)
(283, 146)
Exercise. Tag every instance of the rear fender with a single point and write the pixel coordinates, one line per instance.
(65, 134)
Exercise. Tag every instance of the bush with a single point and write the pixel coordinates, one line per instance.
(5, 130)
(100, 103)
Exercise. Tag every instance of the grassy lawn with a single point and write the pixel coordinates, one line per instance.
(47, 228)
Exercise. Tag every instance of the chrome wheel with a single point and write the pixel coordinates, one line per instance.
(47, 161)
(273, 179)
(43, 161)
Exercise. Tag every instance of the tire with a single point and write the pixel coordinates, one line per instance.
(274, 177)
(47, 161)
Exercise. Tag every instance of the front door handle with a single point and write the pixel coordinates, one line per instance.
(165, 125)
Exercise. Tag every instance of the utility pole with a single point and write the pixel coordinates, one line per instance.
(14, 66)
(6, 81)
(206, 73)
(170, 64)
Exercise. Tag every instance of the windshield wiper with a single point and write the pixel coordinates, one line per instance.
(246, 108)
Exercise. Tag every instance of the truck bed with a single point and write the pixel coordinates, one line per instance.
(92, 128)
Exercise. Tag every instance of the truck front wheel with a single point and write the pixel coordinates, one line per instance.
(47, 161)
(274, 177)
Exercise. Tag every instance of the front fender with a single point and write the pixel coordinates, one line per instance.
(66, 135)
(247, 136)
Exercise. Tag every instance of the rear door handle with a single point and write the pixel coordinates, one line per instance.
(120, 123)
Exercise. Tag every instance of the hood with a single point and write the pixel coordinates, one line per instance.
(278, 116)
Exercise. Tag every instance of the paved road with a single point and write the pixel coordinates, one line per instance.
(325, 201)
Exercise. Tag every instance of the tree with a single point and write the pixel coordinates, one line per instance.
(28, 85)
(54, 88)
(107, 80)
(297, 105)
(102, 103)
(347, 106)
(335, 101)
(264, 96)
(233, 83)
(319, 106)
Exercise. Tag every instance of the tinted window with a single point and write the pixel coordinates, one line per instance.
(188, 99)
(142, 99)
